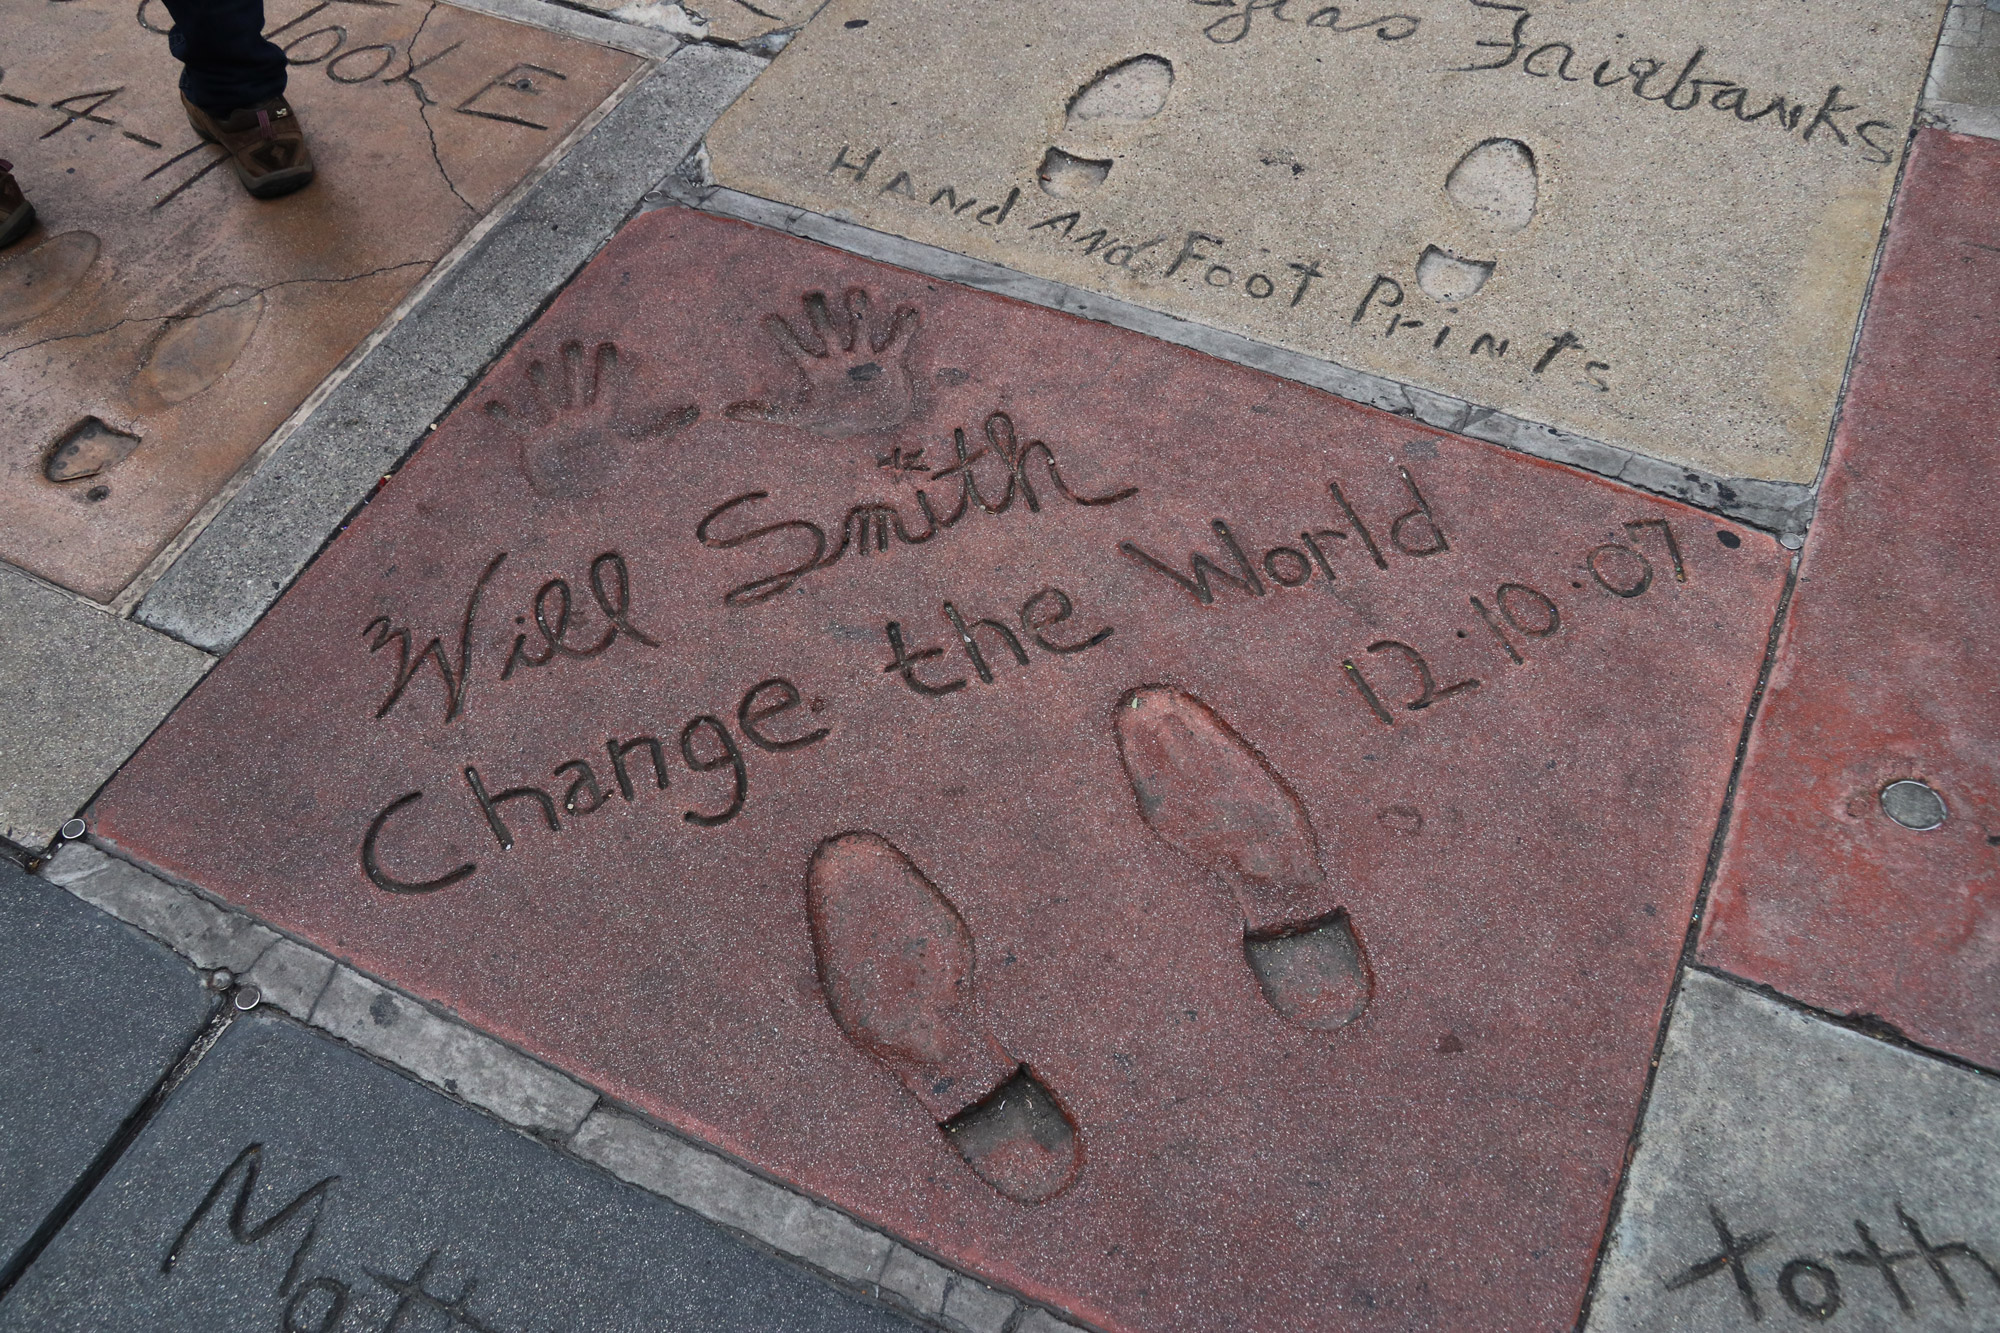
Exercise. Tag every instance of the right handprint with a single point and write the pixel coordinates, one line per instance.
(853, 375)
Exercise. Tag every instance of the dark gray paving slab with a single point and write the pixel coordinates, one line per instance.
(92, 1013)
(407, 1211)
(1793, 1174)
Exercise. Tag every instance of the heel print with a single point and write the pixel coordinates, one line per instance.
(896, 964)
(1129, 93)
(1204, 792)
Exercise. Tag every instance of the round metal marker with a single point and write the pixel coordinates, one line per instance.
(1913, 804)
(247, 997)
(72, 829)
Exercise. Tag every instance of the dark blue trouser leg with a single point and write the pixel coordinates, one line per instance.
(226, 63)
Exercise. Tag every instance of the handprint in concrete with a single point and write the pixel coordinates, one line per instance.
(853, 375)
(1206, 793)
(577, 424)
(896, 963)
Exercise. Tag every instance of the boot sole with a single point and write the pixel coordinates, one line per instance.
(260, 187)
(17, 224)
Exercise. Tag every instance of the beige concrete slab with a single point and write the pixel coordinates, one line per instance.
(1650, 225)
(160, 323)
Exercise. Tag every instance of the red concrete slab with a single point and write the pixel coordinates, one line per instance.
(1885, 673)
(158, 323)
(1187, 847)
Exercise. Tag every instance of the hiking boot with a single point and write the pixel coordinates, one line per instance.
(265, 143)
(16, 213)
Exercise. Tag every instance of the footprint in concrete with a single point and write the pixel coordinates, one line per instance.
(1447, 278)
(576, 423)
(853, 373)
(1206, 793)
(1129, 93)
(896, 964)
(86, 449)
(197, 347)
(36, 282)
(1497, 188)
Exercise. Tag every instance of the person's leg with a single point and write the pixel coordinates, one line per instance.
(17, 215)
(226, 61)
(233, 87)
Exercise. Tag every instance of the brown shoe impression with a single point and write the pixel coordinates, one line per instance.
(265, 143)
(16, 213)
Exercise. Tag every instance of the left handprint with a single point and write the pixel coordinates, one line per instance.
(577, 433)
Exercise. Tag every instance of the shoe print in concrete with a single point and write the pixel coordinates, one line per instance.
(1205, 792)
(95, 1016)
(1862, 872)
(1648, 226)
(159, 324)
(1793, 1174)
(1438, 726)
(293, 1183)
(896, 962)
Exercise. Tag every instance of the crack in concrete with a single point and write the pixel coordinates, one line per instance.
(693, 29)
(424, 105)
(256, 292)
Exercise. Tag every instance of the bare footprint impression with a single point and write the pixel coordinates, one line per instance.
(1497, 188)
(1206, 793)
(1103, 112)
(896, 964)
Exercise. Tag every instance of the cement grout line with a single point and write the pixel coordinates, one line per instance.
(600, 29)
(1969, 26)
(503, 210)
(1781, 507)
(1690, 943)
(290, 507)
(1859, 1024)
(114, 1148)
(563, 1113)
(111, 608)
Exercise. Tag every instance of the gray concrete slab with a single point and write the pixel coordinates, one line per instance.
(92, 1015)
(753, 24)
(1963, 92)
(407, 1211)
(273, 527)
(82, 689)
(1792, 1173)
